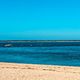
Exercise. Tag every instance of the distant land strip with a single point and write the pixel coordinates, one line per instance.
(38, 43)
(39, 40)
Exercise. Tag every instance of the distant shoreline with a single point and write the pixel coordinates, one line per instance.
(39, 40)
(38, 43)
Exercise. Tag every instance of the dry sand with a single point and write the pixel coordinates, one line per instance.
(12, 71)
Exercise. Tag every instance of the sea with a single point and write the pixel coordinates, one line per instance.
(64, 53)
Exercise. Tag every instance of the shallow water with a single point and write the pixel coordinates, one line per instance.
(54, 55)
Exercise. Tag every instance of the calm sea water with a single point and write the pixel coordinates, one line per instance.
(51, 55)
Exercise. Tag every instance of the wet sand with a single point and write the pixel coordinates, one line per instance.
(13, 71)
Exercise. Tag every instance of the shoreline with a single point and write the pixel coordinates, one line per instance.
(15, 71)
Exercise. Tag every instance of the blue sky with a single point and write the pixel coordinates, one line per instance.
(39, 19)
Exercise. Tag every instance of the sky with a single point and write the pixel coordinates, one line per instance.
(39, 19)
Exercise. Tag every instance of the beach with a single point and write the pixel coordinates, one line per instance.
(14, 71)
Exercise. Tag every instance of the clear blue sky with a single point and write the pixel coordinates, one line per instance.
(39, 19)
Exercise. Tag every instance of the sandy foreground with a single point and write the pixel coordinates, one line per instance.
(12, 71)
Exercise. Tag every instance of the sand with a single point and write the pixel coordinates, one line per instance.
(13, 71)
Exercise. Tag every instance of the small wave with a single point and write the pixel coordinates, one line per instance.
(8, 45)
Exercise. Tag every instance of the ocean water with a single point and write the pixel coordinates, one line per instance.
(66, 55)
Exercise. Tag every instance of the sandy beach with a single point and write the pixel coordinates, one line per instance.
(13, 71)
